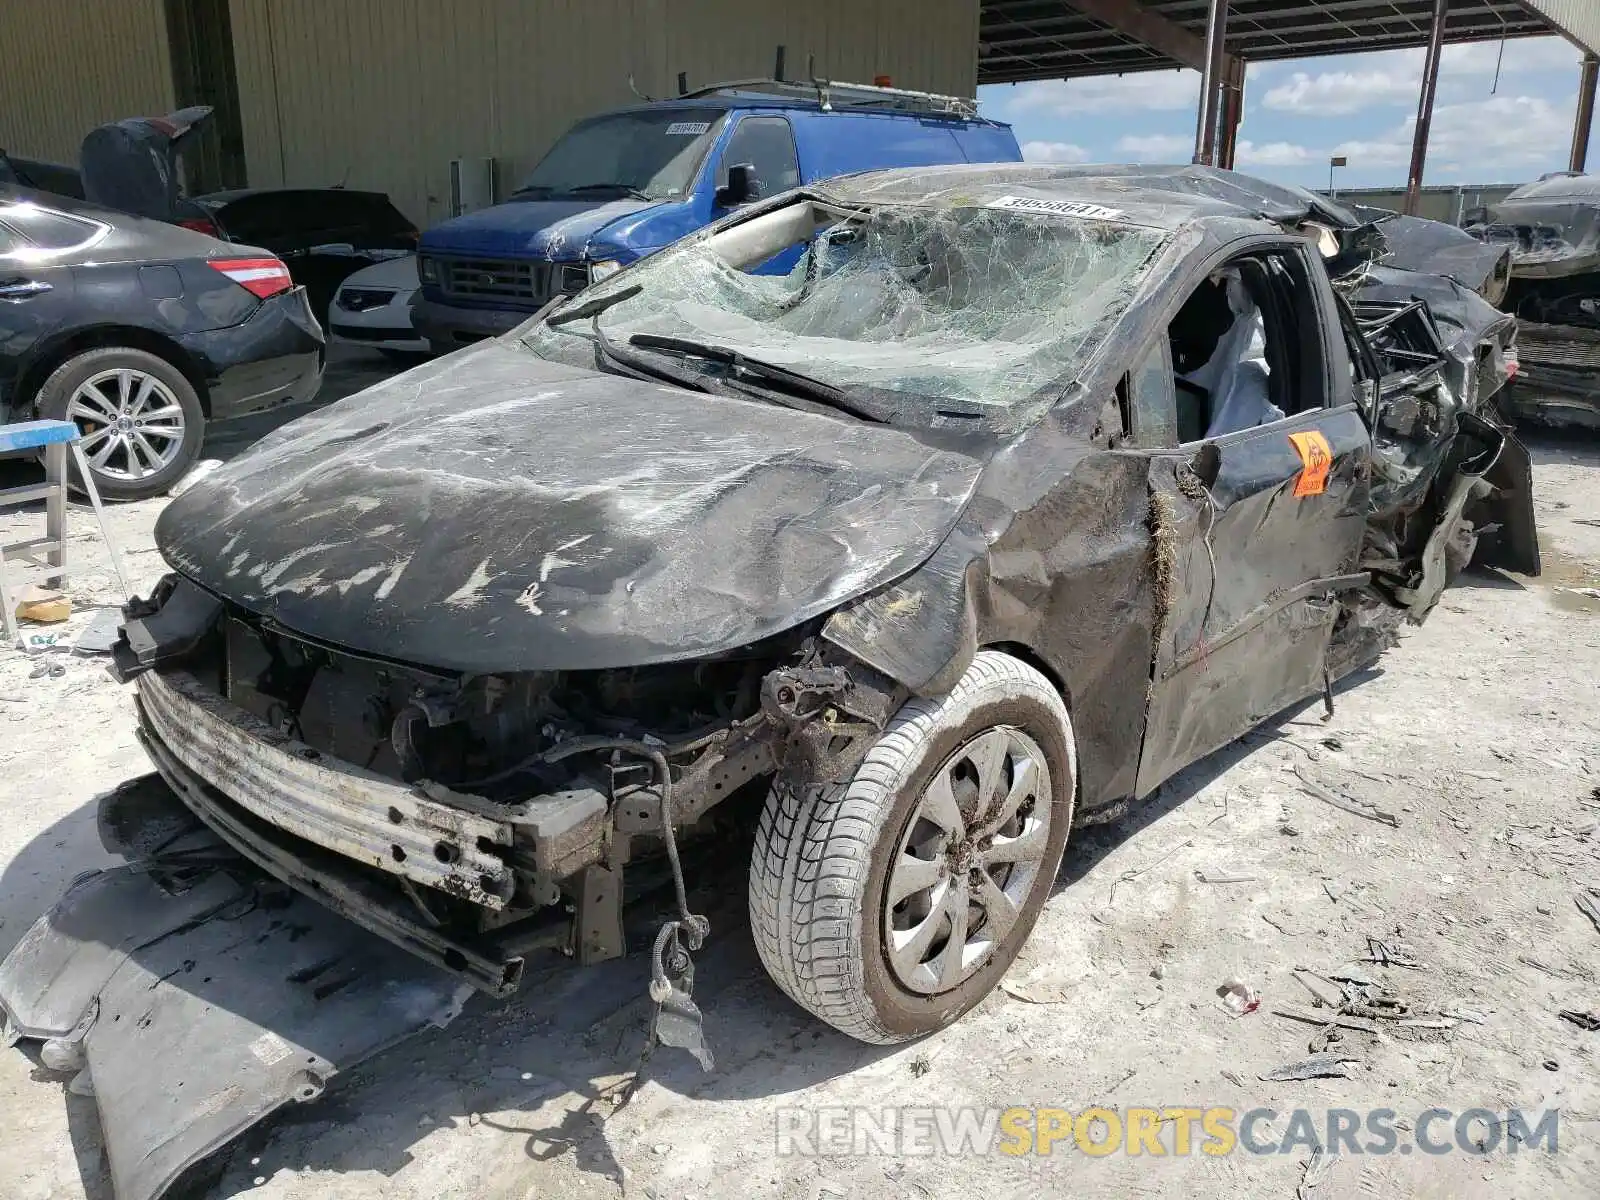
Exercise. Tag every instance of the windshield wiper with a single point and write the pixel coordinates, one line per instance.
(593, 308)
(626, 189)
(736, 361)
(608, 350)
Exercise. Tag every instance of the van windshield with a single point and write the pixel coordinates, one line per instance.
(651, 153)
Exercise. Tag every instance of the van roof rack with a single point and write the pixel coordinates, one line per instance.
(831, 95)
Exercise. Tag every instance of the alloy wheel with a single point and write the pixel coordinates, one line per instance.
(967, 861)
(132, 424)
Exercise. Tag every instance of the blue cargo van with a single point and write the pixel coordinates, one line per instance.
(619, 185)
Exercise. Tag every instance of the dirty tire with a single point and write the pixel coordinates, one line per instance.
(820, 867)
(63, 383)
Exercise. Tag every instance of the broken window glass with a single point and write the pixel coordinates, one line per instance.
(989, 310)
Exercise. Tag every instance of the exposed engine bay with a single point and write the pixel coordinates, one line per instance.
(472, 818)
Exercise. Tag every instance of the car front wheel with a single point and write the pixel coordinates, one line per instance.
(141, 422)
(891, 904)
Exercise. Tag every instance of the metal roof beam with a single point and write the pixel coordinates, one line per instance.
(1133, 19)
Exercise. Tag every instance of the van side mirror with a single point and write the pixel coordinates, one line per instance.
(741, 188)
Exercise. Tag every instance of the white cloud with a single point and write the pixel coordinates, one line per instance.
(1156, 148)
(1272, 154)
(1394, 77)
(1148, 91)
(1054, 152)
(1502, 135)
(1338, 93)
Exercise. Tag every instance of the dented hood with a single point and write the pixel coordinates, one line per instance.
(493, 511)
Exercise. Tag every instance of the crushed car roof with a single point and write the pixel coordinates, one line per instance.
(1165, 197)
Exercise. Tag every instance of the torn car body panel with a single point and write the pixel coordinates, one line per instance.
(195, 997)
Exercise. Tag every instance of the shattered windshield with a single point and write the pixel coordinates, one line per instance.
(986, 309)
(653, 153)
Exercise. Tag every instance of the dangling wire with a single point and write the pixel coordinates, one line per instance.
(1498, 59)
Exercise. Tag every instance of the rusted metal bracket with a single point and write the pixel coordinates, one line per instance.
(597, 928)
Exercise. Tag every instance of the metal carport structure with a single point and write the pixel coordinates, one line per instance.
(1062, 39)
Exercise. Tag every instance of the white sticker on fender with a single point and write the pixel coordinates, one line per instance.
(1060, 208)
(687, 128)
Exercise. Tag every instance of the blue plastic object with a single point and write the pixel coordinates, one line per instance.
(36, 435)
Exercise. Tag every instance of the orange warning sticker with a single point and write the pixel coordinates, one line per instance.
(1316, 457)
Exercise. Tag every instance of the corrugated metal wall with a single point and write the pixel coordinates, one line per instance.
(69, 65)
(383, 95)
(1578, 18)
(1442, 202)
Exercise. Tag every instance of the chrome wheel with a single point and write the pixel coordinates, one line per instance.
(132, 424)
(968, 860)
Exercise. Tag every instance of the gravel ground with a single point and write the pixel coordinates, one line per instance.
(1480, 735)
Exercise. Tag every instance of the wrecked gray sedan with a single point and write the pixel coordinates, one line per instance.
(926, 516)
(1552, 229)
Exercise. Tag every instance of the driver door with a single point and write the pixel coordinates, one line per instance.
(1257, 530)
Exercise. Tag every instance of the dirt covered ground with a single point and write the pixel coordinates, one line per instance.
(1480, 736)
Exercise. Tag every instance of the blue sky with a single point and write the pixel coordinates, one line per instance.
(1299, 113)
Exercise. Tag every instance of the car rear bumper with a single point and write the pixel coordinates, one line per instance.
(274, 357)
(447, 326)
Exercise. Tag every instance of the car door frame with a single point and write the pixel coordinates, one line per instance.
(1247, 573)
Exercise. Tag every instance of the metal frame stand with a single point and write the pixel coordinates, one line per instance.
(47, 556)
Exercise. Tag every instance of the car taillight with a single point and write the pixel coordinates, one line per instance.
(262, 276)
(202, 225)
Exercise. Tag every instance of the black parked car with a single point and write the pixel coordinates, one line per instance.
(323, 234)
(140, 332)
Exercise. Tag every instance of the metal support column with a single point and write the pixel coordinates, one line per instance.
(1205, 130)
(1585, 118)
(1232, 113)
(1430, 86)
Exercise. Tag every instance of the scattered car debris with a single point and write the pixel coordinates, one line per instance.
(1316, 1170)
(1205, 876)
(1589, 1021)
(100, 634)
(1318, 1066)
(1238, 997)
(1325, 993)
(1036, 993)
(1343, 1021)
(1588, 905)
(43, 606)
(1361, 808)
(1395, 955)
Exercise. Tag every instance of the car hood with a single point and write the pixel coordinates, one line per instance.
(540, 228)
(496, 512)
(399, 273)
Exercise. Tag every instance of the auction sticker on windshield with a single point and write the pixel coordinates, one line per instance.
(687, 128)
(1060, 208)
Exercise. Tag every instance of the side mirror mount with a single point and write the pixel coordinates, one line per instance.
(741, 188)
